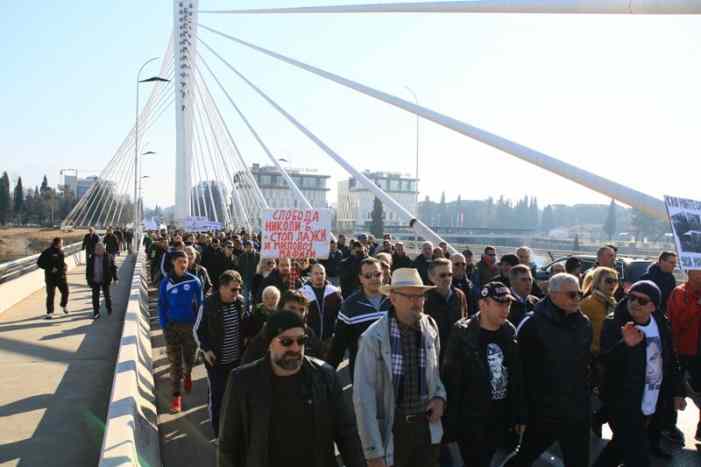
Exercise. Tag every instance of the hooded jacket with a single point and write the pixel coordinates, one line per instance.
(179, 299)
(53, 262)
(321, 317)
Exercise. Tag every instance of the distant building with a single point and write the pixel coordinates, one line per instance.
(278, 194)
(355, 202)
(82, 185)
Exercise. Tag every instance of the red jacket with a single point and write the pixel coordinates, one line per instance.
(684, 311)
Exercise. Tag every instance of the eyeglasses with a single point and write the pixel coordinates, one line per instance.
(288, 341)
(642, 301)
(372, 275)
(610, 280)
(409, 296)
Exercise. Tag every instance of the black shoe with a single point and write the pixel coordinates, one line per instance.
(660, 453)
(48, 316)
(698, 432)
(674, 436)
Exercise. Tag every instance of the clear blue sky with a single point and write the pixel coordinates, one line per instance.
(615, 95)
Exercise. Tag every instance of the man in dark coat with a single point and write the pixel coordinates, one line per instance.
(399, 258)
(286, 408)
(111, 242)
(100, 271)
(89, 241)
(662, 274)
(53, 262)
(641, 377)
(423, 261)
(349, 269)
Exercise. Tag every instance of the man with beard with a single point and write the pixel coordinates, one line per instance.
(282, 277)
(350, 269)
(286, 408)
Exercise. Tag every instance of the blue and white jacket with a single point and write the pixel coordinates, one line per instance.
(179, 299)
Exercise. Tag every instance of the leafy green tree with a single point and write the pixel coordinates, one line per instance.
(5, 201)
(610, 224)
(377, 219)
(18, 201)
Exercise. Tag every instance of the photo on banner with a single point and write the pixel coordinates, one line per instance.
(296, 233)
(685, 217)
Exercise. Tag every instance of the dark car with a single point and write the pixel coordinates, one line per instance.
(629, 269)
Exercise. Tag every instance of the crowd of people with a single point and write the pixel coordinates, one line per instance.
(440, 349)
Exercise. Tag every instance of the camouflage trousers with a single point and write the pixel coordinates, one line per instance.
(180, 349)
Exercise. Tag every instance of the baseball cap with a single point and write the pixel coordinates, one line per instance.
(497, 291)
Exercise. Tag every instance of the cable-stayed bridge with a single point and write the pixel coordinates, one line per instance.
(213, 179)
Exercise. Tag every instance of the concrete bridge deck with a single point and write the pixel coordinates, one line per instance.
(56, 376)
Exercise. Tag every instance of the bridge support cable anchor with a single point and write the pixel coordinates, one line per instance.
(648, 204)
(415, 224)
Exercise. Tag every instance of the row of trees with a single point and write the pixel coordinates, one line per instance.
(41, 205)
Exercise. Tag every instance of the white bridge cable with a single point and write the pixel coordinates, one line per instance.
(234, 192)
(121, 195)
(203, 135)
(196, 192)
(82, 208)
(244, 176)
(493, 6)
(293, 187)
(648, 204)
(204, 186)
(254, 208)
(199, 103)
(243, 181)
(416, 224)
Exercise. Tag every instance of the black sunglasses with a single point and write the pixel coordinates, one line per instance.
(641, 300)
(288, 341)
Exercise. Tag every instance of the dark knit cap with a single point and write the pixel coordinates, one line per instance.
(281, 321)
(648, 288)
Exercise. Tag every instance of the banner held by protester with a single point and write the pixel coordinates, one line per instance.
(296, 233)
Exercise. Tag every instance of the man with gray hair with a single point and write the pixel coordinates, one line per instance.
(554, 342)
(423, 261)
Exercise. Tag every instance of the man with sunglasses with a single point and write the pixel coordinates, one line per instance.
(484, 379)
(486, 269)
(445, 304)
(398, 395)
(641, 377)
(358, 312)
(555, 348)
(286, 409)
(462, 282)
(220, 331)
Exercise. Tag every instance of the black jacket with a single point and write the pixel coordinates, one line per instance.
(248, 263)
(664, 280)
(349, 270)
(283, 285)
(109, 269)
(89, 242)
(53, 262)
(519, 309)
(203, 275)
(467, 379)
(245, 417)
(555, 350)
(445, 313)
(111, 244)
(625, 367)
(209, 326)
(422, 264)
(333, 263)
(401, 261)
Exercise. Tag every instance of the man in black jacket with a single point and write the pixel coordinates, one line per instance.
(220, 330)
(333, 262)
(100, 271)
(111, 242)
(642, 377)
(399, 258)
(53, 262)
(423, 261)
(349, 269)
(484, 379)
(89, 241)
(521, 281)
(286, 409)
(554, 344)
(282, 278)
(662, 274)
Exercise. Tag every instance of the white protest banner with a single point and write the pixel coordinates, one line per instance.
(296, 233)
(685, 217)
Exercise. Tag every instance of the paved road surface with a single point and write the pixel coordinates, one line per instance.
(56, 376)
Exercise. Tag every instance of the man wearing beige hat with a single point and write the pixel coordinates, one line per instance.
(398, 395)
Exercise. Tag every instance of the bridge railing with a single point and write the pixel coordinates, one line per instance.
(131, 429)
(19, 267)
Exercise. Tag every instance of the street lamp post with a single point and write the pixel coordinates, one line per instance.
(416, 213)
(136, 136)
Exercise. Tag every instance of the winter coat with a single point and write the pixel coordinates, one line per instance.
(109, 269)
(321, 317)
